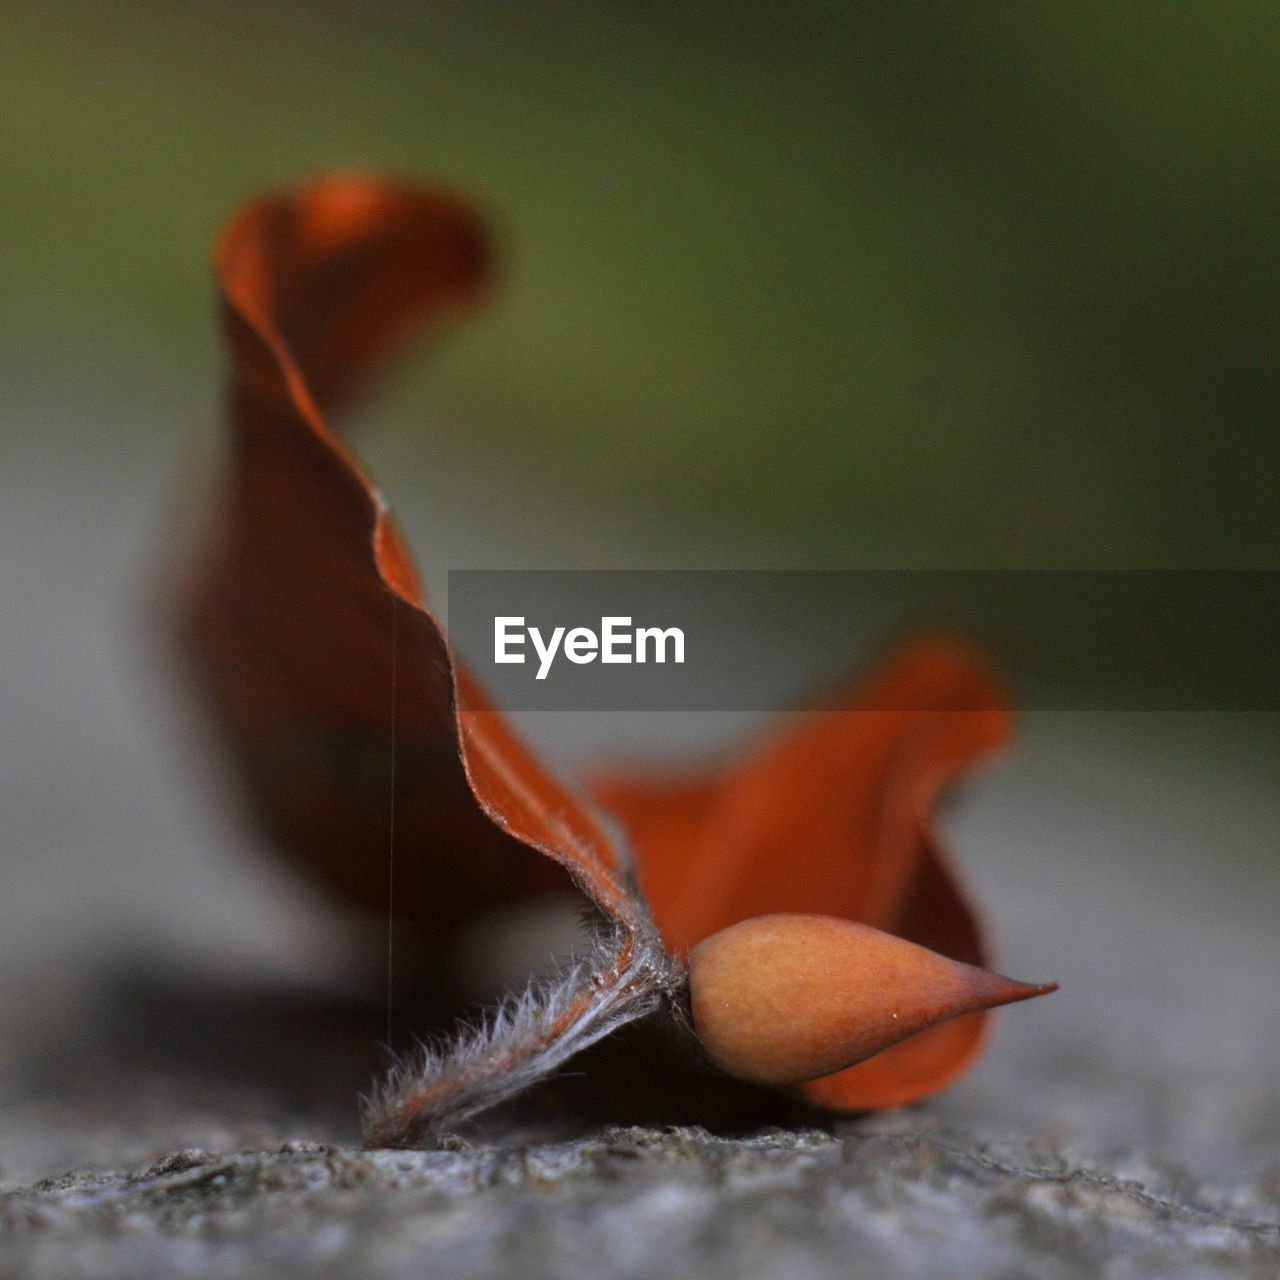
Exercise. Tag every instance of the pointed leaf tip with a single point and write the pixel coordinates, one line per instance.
(781, 999)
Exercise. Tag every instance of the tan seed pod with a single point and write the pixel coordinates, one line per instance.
(780, 999)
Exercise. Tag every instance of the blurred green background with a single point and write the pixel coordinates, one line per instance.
(830, 284)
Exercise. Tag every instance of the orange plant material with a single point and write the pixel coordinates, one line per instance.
(315, 651)
(780, 999)
(304, 581)
(834, 815)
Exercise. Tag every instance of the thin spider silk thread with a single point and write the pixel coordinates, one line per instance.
(391, 834)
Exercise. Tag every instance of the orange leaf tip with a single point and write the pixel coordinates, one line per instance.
(780, 999)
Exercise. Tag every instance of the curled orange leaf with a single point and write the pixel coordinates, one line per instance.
(321, 665)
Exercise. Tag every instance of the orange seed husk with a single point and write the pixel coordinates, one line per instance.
(781, 999)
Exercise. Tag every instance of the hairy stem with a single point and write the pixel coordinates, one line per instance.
(624, 975)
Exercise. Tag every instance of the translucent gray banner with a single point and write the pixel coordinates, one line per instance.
(578, 640)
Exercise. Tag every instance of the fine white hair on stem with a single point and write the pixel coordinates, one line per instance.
(625, 974)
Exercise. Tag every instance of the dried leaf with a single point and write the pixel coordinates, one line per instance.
(303, 619)
(313, 647)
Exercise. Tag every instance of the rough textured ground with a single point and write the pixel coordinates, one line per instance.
(868, 1200)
